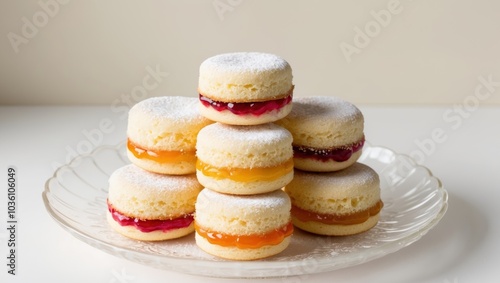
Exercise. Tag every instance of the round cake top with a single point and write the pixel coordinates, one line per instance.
(175, 109)
(324, 122)
(166, 123)
(243, 62)
(264, 134)
(273, 202)
(325, 108)
(244, 146)
(245, 77)
(354, 178)
(242, 215)
(145, 182)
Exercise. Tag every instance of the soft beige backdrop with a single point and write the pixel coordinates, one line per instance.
(118, 52)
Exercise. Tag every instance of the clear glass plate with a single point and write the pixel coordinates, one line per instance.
(414, 200)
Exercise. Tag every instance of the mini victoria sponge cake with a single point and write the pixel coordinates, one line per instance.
(243, 227)
(337, 203)
(245, 88)
(151, 207)
(328, 133)
(244, 160)
(162, 134)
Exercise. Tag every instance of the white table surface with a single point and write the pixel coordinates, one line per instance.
(463, 247)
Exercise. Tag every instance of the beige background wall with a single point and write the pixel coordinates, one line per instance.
(118, 52)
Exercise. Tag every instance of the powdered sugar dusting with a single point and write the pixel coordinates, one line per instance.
(175, 108)
(356, 175)
(265, 134)
(239, 62)
(276, 199)
(324, 107)
(148, 180)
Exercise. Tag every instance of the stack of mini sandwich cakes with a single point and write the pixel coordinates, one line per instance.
(244, 160)
(240, 167)
(331, 193)
(153, 198)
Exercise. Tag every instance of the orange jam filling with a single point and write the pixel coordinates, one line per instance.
(337, 219)
(271, 238)
(161, 156)
(246, 174)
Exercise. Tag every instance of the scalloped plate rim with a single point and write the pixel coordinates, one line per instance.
(373, 253)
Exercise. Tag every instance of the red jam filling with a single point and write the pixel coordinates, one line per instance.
(338, 154)
(244, 108)
(151, 225)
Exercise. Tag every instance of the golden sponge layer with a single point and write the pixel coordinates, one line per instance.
(350, 190)
(229, 146)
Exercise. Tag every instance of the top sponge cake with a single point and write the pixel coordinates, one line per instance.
(245, 88)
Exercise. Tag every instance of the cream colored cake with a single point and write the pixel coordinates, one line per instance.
(138, 195)
(244, 159)
(336, 203)
(244, 78)
(162, 134)
(321, 125)
(243, 227)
